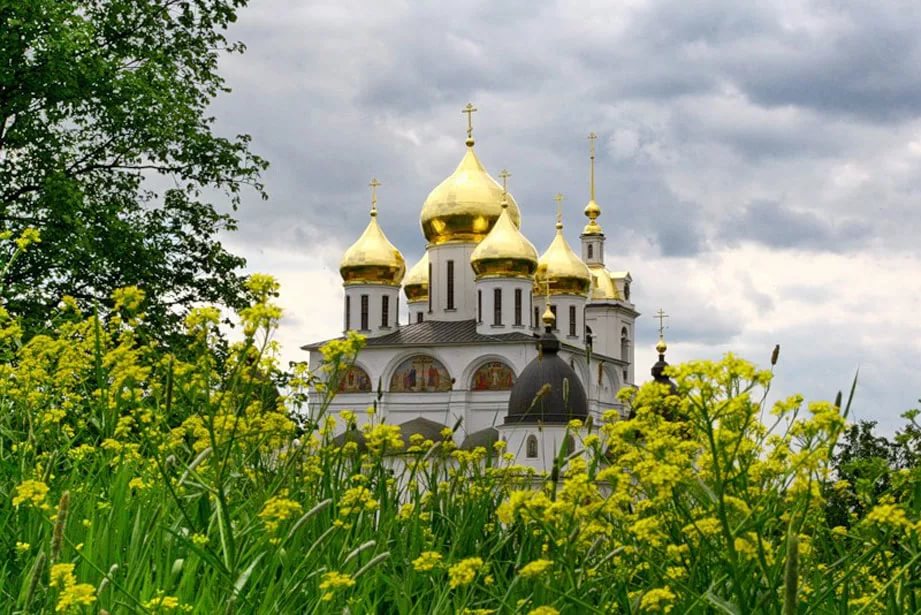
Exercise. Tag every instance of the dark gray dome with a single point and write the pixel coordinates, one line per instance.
(547, 390)
(658, 374)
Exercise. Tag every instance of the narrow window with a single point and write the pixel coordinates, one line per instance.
(517, 307)
(479, 306)
(536, 318)
(450, 285)
(572, 320)
(385, 311)
(624, 343)
(531, 447)
(419, 317)
(348, 312)
(497, 306)
(627, 291)
(555, 321)
(431, 288)
(364, 312)
(590, 251)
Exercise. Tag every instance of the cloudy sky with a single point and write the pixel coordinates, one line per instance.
(758, 162)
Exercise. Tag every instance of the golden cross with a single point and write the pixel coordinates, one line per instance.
(661, 315)
(374, 184)
(504, 174)
(469, 110)
(591, 140)
(559, 208)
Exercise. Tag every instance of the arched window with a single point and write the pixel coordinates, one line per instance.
(624, 344)
(627, 291)
(590, 246)
(531, 447)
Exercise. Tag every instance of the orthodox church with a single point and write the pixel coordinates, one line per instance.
(501, 342)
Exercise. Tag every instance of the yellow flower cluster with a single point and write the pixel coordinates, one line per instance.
(72, 594)
(427, 561)
(31, 493)
(278, 509)
(464, 572)
(333, 582)
(535, 568)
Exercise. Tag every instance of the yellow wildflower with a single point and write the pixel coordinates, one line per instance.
(426, 561)
(544, 610)
(334, 581)
(278, 509)
(536, 568)
(22, 547)
(31, 492)
(658, 600)
(464, 572)
(77, 594)
(888, 515)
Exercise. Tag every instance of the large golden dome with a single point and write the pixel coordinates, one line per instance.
(505, 253)
(466, 205)
(603, 287)
(562, 269)
(372, 259)
(416, 283)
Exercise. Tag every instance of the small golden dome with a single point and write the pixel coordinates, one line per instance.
(562, 268)
(466, 205)
(505, 253)
(416, 283)
(661, 346)
(603, 287)
(372, 259)
(548, 316)
(592, 211)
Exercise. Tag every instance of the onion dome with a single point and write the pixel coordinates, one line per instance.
(658, 370)
(548, 390)
(505, 253)
(466, 205)
(561, 268)
(372, 259)
(416, 283)
(603, 287)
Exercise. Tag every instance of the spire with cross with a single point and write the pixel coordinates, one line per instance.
(661, 347)
(504, 175)
(591, 182)
(374, 184)
(469, 110)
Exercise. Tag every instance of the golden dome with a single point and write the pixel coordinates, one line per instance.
(372, 259)
(592, 211)
(505, 253)
(466, 205)
(562, 268)
(661, 346)
(416, 283)
(603, 287)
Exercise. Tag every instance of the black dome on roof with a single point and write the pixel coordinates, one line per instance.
(547, 390)
(658, 374)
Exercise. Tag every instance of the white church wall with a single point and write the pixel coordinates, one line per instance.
(486, 293)
(464, 296)
(375, 293)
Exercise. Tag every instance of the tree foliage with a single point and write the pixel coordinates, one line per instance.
(107, 147)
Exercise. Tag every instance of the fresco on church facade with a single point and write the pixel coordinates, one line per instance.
(420, 374)
(493, 376)
(355, 380)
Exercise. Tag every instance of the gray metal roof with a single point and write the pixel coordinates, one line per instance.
(438, 333)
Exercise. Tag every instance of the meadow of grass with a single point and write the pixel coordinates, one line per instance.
(138, 480)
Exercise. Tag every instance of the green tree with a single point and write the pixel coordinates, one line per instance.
(107, 147)
(863, 464)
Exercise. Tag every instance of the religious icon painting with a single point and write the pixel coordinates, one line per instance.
(493, 376)
(420, 374)
(355, 380)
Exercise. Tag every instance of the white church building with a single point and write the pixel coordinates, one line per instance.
(476, 304)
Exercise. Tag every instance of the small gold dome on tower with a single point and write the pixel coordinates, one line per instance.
(505, 253)
(372, 259)
(466, 205)
(661, 346)
(416, 283)
(561, 269)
